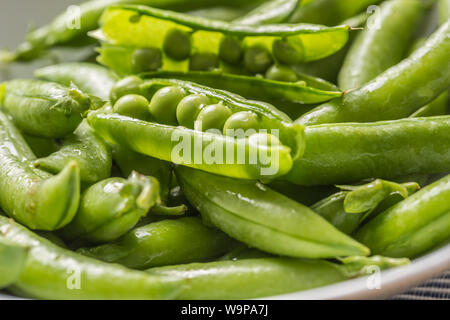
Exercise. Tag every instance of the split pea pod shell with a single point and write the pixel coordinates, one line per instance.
(350, 152)
(31, 196)
(408, 86)
(413, 226)
(262, 218)
(43, 109)
(48, 269)
(12, 261)
(126, 28)
(162, 243)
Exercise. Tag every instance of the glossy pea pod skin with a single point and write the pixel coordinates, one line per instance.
(349, 208)
(110, 208)
(12, 261)
(413, 226)
(43, 109)
(351, 152)
(88, 77)
(200, 37)
(444, 10)
(398, 20)
(89, 151)
(262, 218)
(409, 85)
(264, 277)
(31, 196)
(162, 243)
(275, 11)
(45, 274)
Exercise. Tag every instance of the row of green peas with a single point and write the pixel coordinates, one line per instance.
(255, 58)
(173, 105)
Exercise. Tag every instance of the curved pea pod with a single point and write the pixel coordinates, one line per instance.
(437, 107)
(271, 12)
(88, 77)
(110, 208)
(264, 219)
(41, 147)
(12, 262)
(351, 152)
(30, 196)
(349, 208)
(408, 86)
(413, 226)
(48, 270)
(266, 276)
(244, 252)
(398, 20)
(43, 109)
(444, 10)
(162, 243)
(270, 91)
(329, 12)
(125, 28)
(91, 153)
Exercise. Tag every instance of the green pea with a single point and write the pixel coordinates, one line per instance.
(287, 52)
(146, 59)
(257, 58)
(132, 105)
(189, 108)
(164, 104)
(244, 120)
(281, 73)
(128, 85)
(212, 117)
(203, 62)
(177, 44)
(230, 50)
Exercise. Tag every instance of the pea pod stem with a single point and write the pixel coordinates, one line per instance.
(262, 218)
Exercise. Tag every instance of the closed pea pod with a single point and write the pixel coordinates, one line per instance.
(161, 243)
(12, 262)
(276, 11)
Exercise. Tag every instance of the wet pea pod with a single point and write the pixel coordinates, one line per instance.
(45, 273)
(12, 262)
(183, 38)
(413, 226)
(110, 208)
(422, 77)
(349, 208)
(167, 242)
(88, 77)
(351, 152)
(265, 277)
(398, 20)
(31, 196)
(262, 218)
(43, 109)
(89, 151)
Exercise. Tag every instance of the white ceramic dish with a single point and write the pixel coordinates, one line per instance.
(16, 15)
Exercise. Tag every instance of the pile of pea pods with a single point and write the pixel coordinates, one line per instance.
(224, 149)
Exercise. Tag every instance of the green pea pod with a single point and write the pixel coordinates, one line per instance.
(111, 207)
(398, 20)
(408, 86)
(271, 12)
(262, 218)
(64, 30)
(305, 195)
(127, 28)
(223, 13)
(41, 147)
(51, 272)
(88, 77)
(413, 226)
(12, 262)
(266, 276)
(274, 92)
(347, 209)
(84, 147)
(351, 152)
(163, 243)
(444, 10)
(43, 109)
(436, 107)
(30, 196)
(244, 252)
(329, 12)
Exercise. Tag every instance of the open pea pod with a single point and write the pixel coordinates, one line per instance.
(12, 262)
(179, 42)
